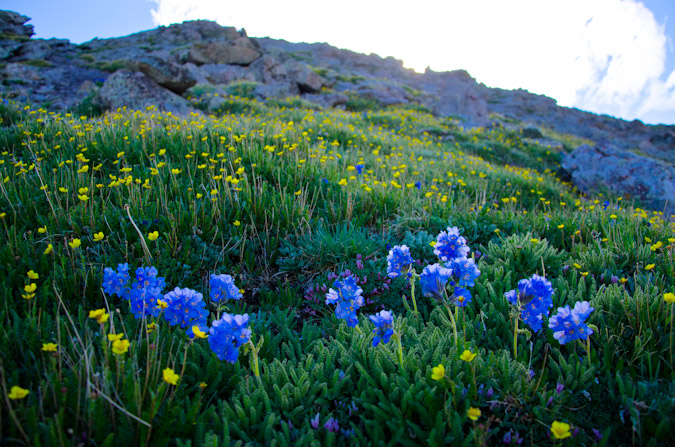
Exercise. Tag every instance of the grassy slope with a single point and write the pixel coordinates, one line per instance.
(272, 196)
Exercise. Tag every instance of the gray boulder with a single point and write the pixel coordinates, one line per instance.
(224, 74)
(326, 99)
(240, 51)
(174, 77)
(307, 80)
(650, 181)
(137, 91)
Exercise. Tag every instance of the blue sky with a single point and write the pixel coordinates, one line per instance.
(615, 57)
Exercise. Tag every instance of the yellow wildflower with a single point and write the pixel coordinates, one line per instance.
(17, 393)
(99, 236)
(49, 347)
(438, 372)
(75, 243)
(153, 236)
(669, 297)
(115, 337)
(560, 430)
(99, 315)
(120, 347)
(473, 413)
(170, 376)
(467, 356)
(32, 275)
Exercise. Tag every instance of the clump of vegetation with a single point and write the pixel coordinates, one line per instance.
(277, 274)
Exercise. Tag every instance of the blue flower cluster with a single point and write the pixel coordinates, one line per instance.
(433, 280)
(227, 335)
(450, 245)
(384, 327)
(465, 271)
(569, 324)
(185, 307)
(398, 261)
(533, 297)
(223, 288)
(348, 299)
(115, 281)
(145, 291)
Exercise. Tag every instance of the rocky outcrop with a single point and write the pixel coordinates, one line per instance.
(12, 24)
(594, 168)
(172, 76)
(236, 52)
(137, 91)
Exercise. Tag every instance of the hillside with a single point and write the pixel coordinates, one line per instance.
(244, 268)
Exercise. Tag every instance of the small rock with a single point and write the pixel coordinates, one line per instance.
(307, 80)
(326, 99)
(532, 132)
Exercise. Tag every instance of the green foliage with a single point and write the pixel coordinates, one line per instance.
(524, 255)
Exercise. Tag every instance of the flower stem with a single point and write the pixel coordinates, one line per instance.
(452, 321)
(412, 291)
(358, 329)
(515, 340)
(588, 349)
(672, 308)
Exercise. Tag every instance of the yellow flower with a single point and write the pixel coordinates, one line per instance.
(49, 249)
(584, 274)
(170, 376)
(198, 332)
(669, 297)
(438, 372)
(75, 243)
(99, 236)
(120, 347)
(202, 385)
(623, 280)
(561, 226)
(153, 236)
(576, 266)
(534, 241)
(648, 240)
(49, 347)
(497, 230)
(560, 430)
(162, 304)
(32, 275)
(17, 393)
(650, 266)
(656, 246)
(99, 315)
(298, 192)
(151, 327)
(467, 356)
(115, 337)
(42, 230)
(473, 413)
(612, 216)
(236, 223)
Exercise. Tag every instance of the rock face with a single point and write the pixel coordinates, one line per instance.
(12, 24)
(174, 77)
(648, 180)
(236, 52)
(135, 90)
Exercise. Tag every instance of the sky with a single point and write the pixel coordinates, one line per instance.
(614, 57)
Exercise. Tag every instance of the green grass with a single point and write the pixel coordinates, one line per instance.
(270, 193)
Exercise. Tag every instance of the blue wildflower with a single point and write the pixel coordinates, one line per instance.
(145, 291)
(359, 168)
(348, 299)
(115, 281)
(433, 280)
(201, 325)
(227, 335)
(450, 245)
(569, 324)
(418, 185)
(399, 259)
(332, 425)
(465, 270)
(534, 298)
(462, 296)
(185, 308)
(383, 327)
(223, 288)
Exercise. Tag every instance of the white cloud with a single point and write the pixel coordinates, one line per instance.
(606, 56)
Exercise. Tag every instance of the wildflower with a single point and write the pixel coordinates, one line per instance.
(98, 236)
(32, 275)
(450, 245)
(465, 269)
(170, 376)
(560, 430)
(202, 385)
(144, 292)
(433, 281)
(162, 304)
(30, 288)
(115, 337)
(17, 393)
(236, 223)
(49, 347)
(223, 288)
(153, 236)
(399, 259)
(656, 246)
(561, 226)
(669, 297)
(99, 315)
(467, 356)
(473, 413)
(114, 281)
(438, 372)
(227, 335)
(383, 327)
(314, 422)
(120, 347)
(42, 230)
(569, 325)
(185, 307)
(151, 327)
(533, 297)
(49, 249)
(650, 266)
(332, 425)
(75, 243)
(198, 331)
(347, 298)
